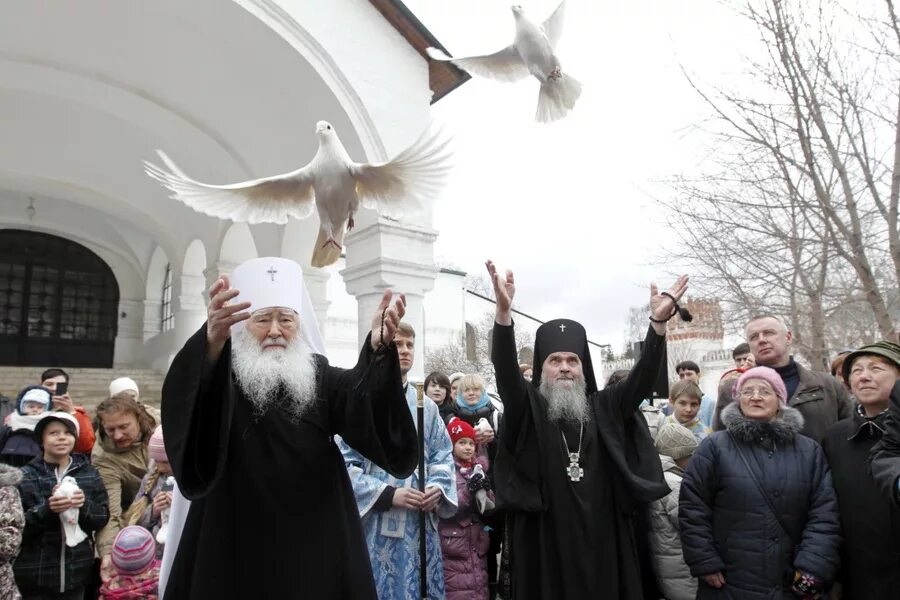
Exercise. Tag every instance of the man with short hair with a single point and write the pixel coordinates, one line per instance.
(742, 356)
(389, 506)
(689, 370)
(819, 397)
(250, 410)
(63, 403)
(575, 466)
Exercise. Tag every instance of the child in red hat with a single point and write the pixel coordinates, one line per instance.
(464, 540)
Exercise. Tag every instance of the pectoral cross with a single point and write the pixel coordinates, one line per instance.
(562, 327)
(272, 272)
(574, 470)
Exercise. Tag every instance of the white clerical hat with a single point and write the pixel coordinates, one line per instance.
(274, 281)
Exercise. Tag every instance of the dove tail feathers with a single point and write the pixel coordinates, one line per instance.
(328, 249)
(557, 98)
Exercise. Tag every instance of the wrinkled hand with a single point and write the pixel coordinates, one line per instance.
(393, 313)
(662, 307)
(716, 580)
(431, 498)
(504, 292)
(407, 498)
(220, 315)
(64, 403)
(161, 501)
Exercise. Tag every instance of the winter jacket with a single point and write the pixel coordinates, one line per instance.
(17, 444)
(86, 437)
(464, 543)
(45, 563)
(152, 484)
(821, 400)
(122, 470)
(870, 557)
(672, 574)
(12, 522)
(726, 524)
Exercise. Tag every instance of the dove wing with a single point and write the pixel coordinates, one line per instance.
(505, 65)
(401, 187)
(267, 200)
(554, 24)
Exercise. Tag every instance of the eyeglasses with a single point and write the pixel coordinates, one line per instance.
(762, 393)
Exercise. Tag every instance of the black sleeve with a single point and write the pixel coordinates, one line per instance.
(511, 386)
(197, 406)
(631, 391)
(367, 407)
(884, 458)
(385, 500)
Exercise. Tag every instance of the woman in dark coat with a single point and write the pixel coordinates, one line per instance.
(870, 558)
(758, 513)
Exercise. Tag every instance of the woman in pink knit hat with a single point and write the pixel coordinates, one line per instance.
(154, 499)
(757, 511)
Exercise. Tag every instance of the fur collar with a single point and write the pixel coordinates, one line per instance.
(782, 430)
(9, 476)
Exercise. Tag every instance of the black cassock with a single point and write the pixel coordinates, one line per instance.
(273, 514)
(567, 539)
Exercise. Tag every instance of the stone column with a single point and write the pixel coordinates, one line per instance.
(387, 254)
(131, 331)
(189, 307)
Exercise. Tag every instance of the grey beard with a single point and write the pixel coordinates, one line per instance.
(260, 373)
(566, 403)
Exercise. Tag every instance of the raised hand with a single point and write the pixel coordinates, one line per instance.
(662, 306)
(504, 292)
(387, 319)
(220, 316)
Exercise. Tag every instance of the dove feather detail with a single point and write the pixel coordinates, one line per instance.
(532, 52)
(331, 182)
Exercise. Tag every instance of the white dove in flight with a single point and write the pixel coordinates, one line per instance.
(532, 52)
(69, 517)
(396, 189)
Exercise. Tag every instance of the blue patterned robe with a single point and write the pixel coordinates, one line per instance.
(393, 536)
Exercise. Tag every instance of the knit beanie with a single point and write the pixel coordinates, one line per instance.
(768, 375)
(884, 349)
(156, 447)
(122, 384)
(133, 551)
(458, 429)
(34, 393)
(456, 376)
(675, 441)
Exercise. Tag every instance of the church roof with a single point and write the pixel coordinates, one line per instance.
(443, 77)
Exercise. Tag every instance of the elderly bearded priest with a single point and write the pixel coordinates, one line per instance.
(250, 407)
(574, 465)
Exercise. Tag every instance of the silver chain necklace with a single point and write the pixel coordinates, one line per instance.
(574, 470)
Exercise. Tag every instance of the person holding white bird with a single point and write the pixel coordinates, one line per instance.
(332, 181)
(55, 487)
(533, 52)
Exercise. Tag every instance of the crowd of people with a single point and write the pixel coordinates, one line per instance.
(281, 476)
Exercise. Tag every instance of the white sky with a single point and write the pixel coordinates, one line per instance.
(566, 205)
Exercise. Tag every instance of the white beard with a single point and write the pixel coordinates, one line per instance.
(260, 372)
(566, 402)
